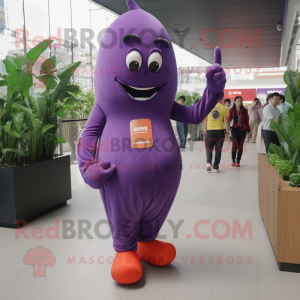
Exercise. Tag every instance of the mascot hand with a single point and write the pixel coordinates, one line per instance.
(216, 77)
(97, 174)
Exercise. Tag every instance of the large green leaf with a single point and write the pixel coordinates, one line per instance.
(14, 63)
(282, 120)
(53, 58)
(53, 120)
(46, 127)
(7, 127)
(297, 73)
(16, 81)
(52, 82)
(2, 102)
(27, 135)
(289, 77)
(60, 113)
(1, 146)
(27, 104)
(29, 84)
(65, 77)
(69, 91)
(17, 121)
(71, 88)
(298, 99)
(283, 137)
(20, 152)
(35, 52)
(39, 104)
(296, 157)
(61, 140)
(63, 95)
(297, 108)
(36, 123)
(293, 119)
(274, 149)
(72, 101)
(290, 96)
(15, 96)
(67, 71)
(296, 141)
(18, 107)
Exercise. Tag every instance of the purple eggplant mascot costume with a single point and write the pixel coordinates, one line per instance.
(135, 84)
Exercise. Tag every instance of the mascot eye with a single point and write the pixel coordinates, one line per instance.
(154, 62)
(133, 61)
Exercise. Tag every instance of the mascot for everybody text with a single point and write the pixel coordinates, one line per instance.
(135, 84)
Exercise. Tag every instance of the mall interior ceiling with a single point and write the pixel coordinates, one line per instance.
(227, 23)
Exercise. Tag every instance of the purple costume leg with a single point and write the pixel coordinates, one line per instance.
(135, 219)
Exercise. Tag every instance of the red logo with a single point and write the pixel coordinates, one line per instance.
(39, 258)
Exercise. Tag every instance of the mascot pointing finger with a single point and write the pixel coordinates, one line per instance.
(128, 144)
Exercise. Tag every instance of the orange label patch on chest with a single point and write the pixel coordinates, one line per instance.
(141, 134)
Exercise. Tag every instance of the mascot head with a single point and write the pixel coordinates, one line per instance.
(136, 62)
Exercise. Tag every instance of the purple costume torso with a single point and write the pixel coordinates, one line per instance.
(138, 189)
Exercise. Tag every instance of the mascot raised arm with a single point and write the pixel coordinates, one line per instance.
(128, 149)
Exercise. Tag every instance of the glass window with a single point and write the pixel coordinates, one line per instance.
(11, 38)
(81, 16)
(99, 21)
(60, 21)
(36, 21)
(60, 31)
(81, 21)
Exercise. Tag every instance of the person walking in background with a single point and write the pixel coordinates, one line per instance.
(182, 128)
(215, 135)
(262, 109)
(267, 100)
(254, 118)
(282, 104)
(271, 112)
(240, 126)
(227, 103)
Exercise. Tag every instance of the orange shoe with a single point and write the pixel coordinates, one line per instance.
(127, 268)
(156, 252)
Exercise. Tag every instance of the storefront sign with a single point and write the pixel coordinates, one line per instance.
(271, 90)
(263, 93)
(246, 94)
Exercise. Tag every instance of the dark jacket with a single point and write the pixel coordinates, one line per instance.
(244, 120)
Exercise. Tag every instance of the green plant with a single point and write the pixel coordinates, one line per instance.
(79, 110)
(88, 100)
(295, 179)
(83, 108)
(190, 97)
(273, 158)
(288, 126)
(285, 167)
(28, 123)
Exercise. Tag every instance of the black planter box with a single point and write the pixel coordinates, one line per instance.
(30, 191)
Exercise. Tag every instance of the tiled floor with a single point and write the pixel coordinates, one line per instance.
(241, 268)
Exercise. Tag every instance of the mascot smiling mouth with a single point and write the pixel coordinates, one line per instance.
(140, 94)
